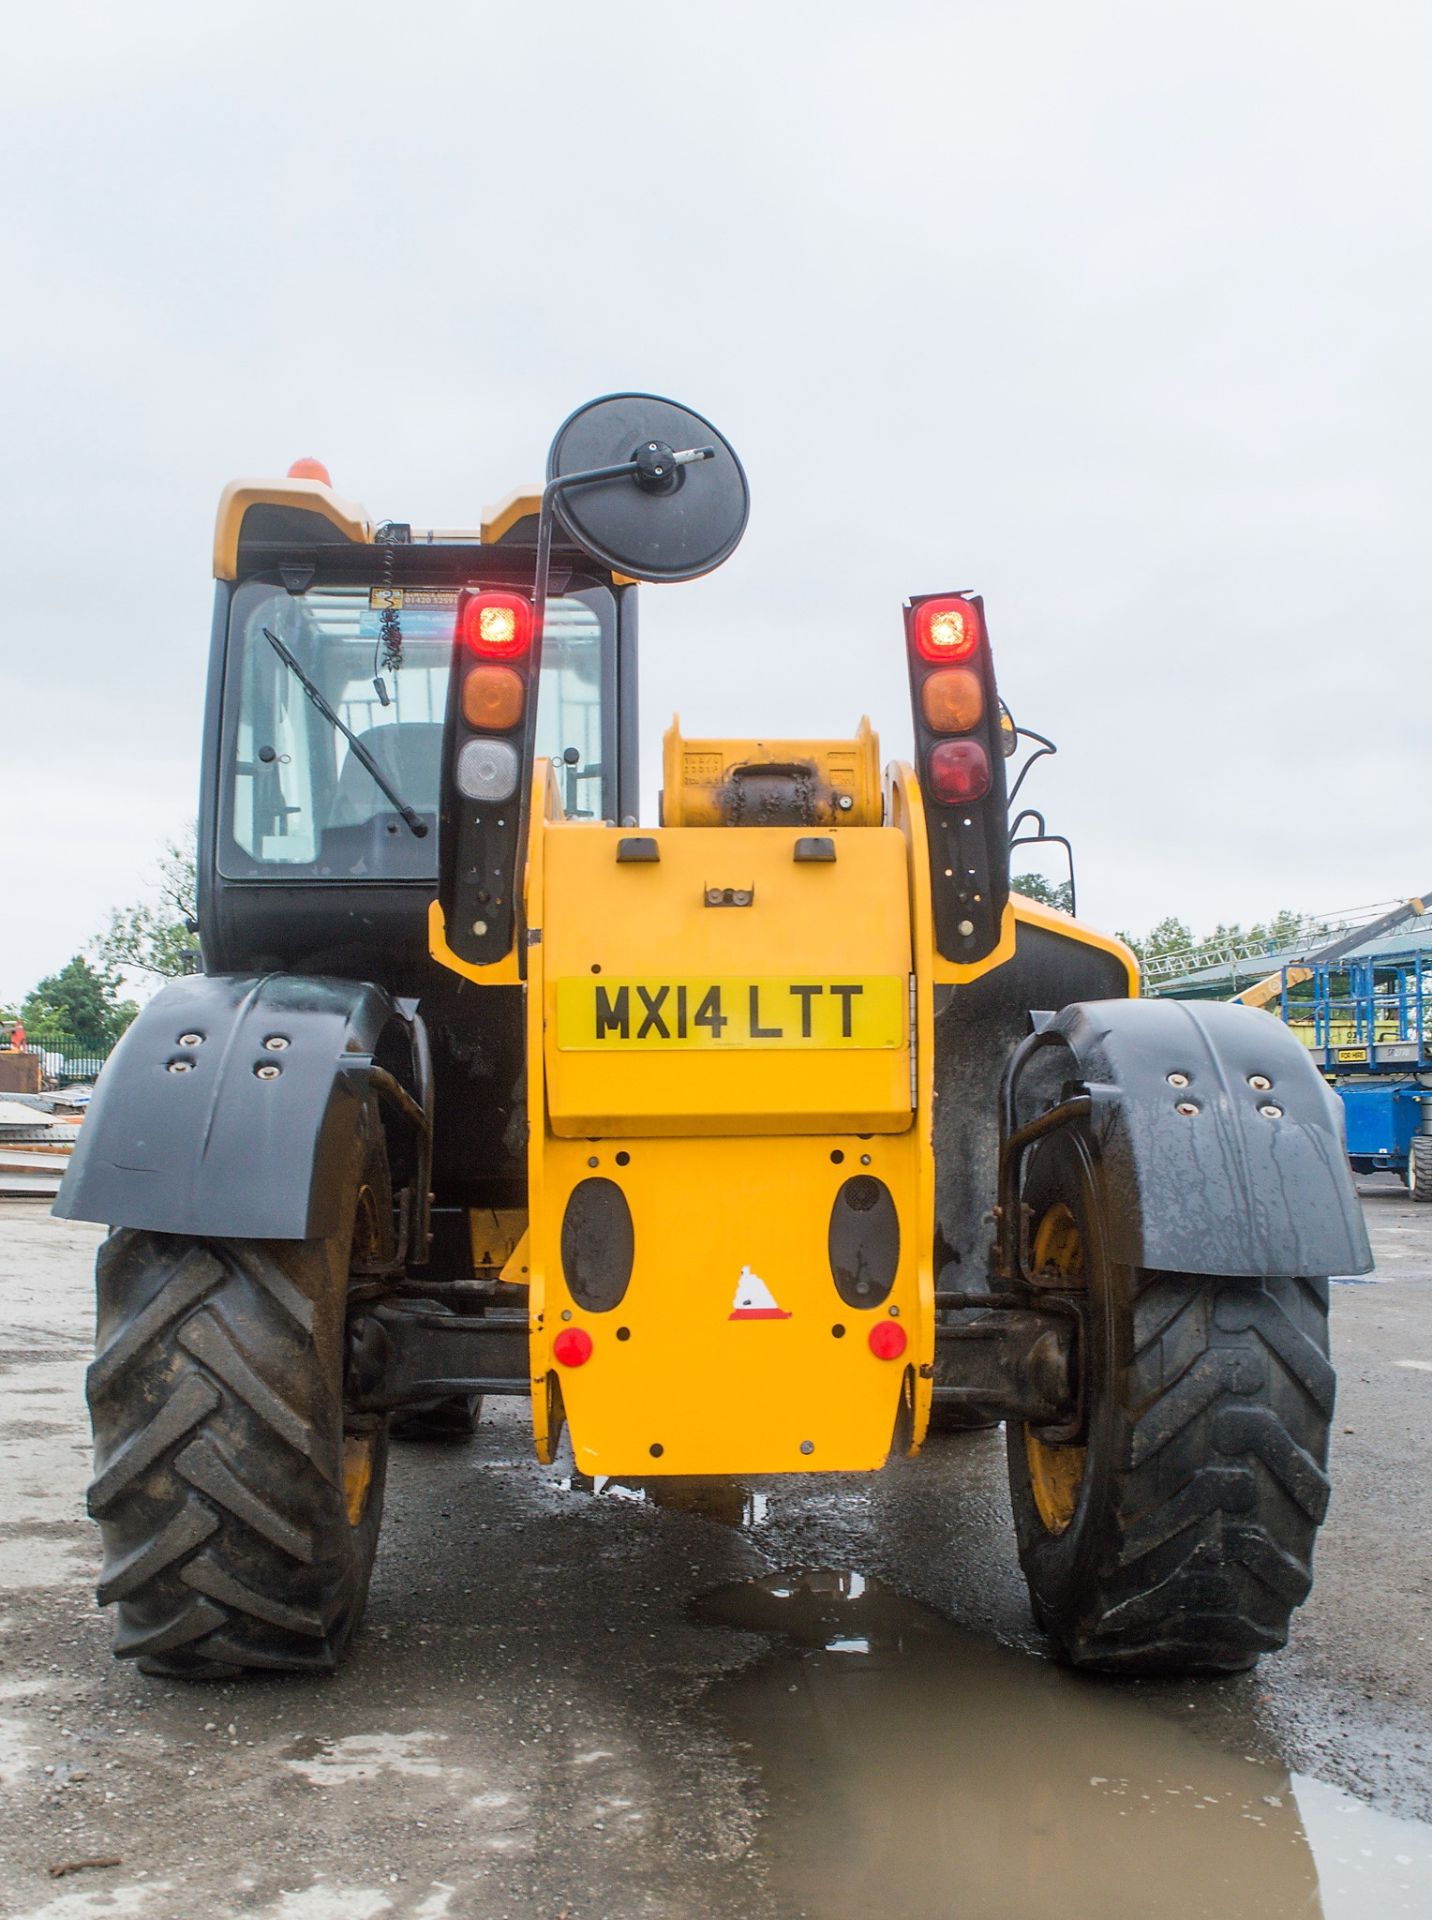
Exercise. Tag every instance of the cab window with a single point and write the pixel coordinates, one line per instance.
(298, 800)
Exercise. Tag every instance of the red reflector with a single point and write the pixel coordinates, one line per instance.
(959, 771)
(310, 470)
(887, 1340)
(497, 625)
(948, 629)
(573, 1347)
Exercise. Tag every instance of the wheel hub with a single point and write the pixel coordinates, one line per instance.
(1056, 1473)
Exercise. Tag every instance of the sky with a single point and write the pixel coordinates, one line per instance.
(1116, 313)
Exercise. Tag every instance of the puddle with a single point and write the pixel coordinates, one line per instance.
(362, 1756)
(915, 1771)
(726, 1501)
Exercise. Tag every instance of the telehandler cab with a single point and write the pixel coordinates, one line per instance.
(757, 1142)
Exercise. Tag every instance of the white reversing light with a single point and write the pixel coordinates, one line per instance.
(488, 770)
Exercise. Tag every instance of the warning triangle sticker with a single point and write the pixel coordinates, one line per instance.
(754, 1299)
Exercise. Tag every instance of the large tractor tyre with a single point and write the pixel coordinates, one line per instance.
(239, 1503)
(1175, 1533)
(1419, 1167)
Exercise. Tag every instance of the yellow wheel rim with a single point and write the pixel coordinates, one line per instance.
(1056, 1473)
(357, 1474)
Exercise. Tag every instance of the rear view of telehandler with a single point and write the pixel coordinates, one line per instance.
(755, 1142)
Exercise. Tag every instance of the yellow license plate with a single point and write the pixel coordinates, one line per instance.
(859, 1011)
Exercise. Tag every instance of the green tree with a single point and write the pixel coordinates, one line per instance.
(76, 1011)
(1173, 936)
(156, 939)
(1169, 936)
(1285, 927)
(1048, 893)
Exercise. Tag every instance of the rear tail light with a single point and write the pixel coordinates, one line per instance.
(959, 772)
(958, 752)
(572, 1347)
(948, 630)
(953, 700)
(488, 770)
(497, 625)
(493, 698)
(491, 705)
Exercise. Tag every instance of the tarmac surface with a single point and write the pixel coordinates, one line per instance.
(788, 1698)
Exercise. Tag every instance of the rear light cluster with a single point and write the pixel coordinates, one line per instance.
(957, 735)
(947, 632)
(488, 746)
(496, 629)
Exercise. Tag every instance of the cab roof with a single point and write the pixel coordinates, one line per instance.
(262, 521)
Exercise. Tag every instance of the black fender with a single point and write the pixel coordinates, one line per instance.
(1208, 1173)
(192, 1131)
(978, 1026)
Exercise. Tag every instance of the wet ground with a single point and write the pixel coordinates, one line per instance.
(819, 1698)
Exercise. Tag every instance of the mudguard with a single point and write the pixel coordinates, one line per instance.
(1253, 1181)
(978, 1027)
(185, 1133)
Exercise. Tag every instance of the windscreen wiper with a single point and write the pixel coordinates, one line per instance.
(415, 820)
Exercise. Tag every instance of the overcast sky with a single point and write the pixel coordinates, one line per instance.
(1115, 312)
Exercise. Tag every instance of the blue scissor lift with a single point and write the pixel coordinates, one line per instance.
(1368, 1023)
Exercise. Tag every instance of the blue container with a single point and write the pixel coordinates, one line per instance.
(1381, 1121)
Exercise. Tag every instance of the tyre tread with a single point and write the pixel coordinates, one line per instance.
(219, 1491)
(1201, 1544)
(1224, 1486)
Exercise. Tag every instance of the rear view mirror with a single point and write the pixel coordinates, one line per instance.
(648, 488)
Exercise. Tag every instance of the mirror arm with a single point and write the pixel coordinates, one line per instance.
(1046, 747)
(561, 483)
(1044, 836)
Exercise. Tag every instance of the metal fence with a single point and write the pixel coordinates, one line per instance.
(60, 1067)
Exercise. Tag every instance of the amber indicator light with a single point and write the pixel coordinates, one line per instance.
(493, 698)
(953, 700)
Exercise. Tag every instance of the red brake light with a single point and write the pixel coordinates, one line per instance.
(949, 630)
(887, 1340)
(959, 772)
(497, 625)
(573, 1347)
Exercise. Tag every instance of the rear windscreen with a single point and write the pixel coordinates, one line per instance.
(297, 801)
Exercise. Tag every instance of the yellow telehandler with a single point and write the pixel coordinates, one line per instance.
(759, 1141)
